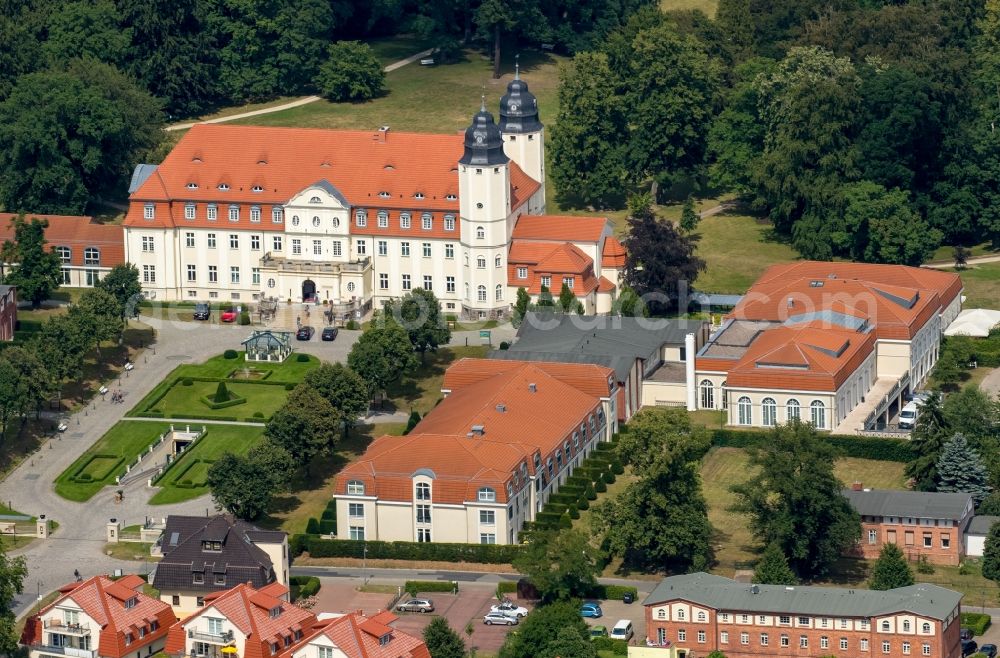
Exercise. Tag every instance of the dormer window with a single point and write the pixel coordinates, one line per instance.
(383, 219)
(149, 211)
(223, 187)
(404, 220)
(131, 602)
(419, 196)
(487, 495)
(256, 188)
(356, 488)
(384, 640)
(449, 222)
(451, 197)
(212, 546)
(361, 218)
(198, 578)
(315, 199)
(192, 186)
(384, 195)
(275, 611)
(427, 221)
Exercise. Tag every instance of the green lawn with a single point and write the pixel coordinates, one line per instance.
(421, 389)
(737, 248)
(982, 285)
(181, 399)
(107, 458)
(439, 99)
(193, 464)
(708, 7)
(724, 467)
(397, 47)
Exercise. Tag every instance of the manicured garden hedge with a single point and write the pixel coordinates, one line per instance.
(617, 647)
(303, 586)
(402, 550)
(863, 447)
(613, 592)
(507, 587)
(976, 621)
(414, 587)
(209, 401)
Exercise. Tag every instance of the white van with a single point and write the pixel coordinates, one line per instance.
(908, 416)
(622, 630)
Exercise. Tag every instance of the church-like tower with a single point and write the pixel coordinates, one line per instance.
(523, 133)
(484, 201)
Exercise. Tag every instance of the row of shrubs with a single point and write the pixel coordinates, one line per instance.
(862, 447)
(414, 587)
(303, 587)
(977, 622)
(257, 416)
(617, 647)
(83, 477)
(326, 524)
(209, 401)
(403, 550)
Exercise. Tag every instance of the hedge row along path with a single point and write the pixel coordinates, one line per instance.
(296, 103)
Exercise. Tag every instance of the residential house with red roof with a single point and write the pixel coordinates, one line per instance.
(258, 623)
(483, 461)
(355, 218)
(357, 636)
(99, 618)
(835, 344)
(87, 250)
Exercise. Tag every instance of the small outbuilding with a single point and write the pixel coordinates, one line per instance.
(977, 322)
(268, 345)
(975, 534)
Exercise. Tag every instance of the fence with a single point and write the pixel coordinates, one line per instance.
(138, 460)
(172, 459)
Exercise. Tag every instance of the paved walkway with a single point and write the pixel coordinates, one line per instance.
(991, 383)
(291, 104)
(947, 265)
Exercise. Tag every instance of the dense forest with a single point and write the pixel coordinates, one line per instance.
(864, 129)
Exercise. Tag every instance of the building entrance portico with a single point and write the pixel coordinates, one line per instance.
(308, 290)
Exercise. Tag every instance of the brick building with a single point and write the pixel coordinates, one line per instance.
(694, 614)
(922, 523)
(8, 312)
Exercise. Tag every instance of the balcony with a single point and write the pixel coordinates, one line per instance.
(61, 627)
(214, 638)
(313, 267)
(74, 652)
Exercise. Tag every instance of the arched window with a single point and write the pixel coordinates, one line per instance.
(769, 412)
(404, 220)
(885, 627)
(722, 394)
(499, 293)
(481, 293)
(315, 199)
(497, 261)
(707, 394)
(680, 615)
(427, 221)
(481, 262)
(423, 491)
(701, 616)
(818, 411)
(480, 233)
(487, 495)
(661, 614)
(91, 256)
(906, 625)
(744, 410)
(356, 488)
(793, 410)
(926, 627)
(383, 219)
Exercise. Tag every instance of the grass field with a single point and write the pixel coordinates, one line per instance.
(724, 467)
(180, 399)
(982, 285)
(737, 248)
(707, 7)
(193, 464)
(421, 389)
(438, 99)
(113, 451)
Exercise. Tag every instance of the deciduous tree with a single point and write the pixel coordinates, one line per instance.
(104, 313)
(343, 388)
(37, 272)
(890, 569)
(542, 627)
(991, 554)
(442, 641)
(568, 642)
(656, 434)
(123, 283)
(961, 469)
(306, 425)
(419, 312)
(560, 564)
(13, 571)
(795, 500)
(382, 354)
(86, 29)
(351, 72)
(773, 569)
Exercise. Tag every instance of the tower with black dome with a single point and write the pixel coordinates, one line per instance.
(484, 203)
(523, 132)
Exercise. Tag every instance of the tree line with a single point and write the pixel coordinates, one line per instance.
(864, 130)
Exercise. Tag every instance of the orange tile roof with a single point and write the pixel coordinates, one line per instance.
(77, 233)
(563, 228)
(249, 610)
(586, 377)
(605, 285)
(358, 636)
(362, 165)
(808, 357)
(103, 600)
(554, 259)
(613, 253)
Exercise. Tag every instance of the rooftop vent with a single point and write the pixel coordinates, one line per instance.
(791, 303)
(816, 284)
(754, 589)
(831, 276)
(478, 430)
(533, 387)
(501, 407)
(789, 589)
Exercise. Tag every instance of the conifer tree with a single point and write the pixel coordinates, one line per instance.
(689, 217)
(991, 554)
(890, 569)
(773, 569)
(960, 468)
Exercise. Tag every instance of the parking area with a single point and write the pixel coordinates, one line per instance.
(615, 610)
(469, 605)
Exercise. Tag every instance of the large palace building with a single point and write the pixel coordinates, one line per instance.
(355, 218)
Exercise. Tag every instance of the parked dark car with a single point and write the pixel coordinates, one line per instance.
(965, 634)
(628, 597)
(329, 333)
(202, 311)
(304, 333)
(989, 650)
(969, 647)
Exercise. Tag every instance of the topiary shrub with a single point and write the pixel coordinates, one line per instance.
(504, 345)
(230, 354)
(244, 318)
(221, 393)
(352, 325)
(412, 422)
(583, 503)
(83, 477)
(609, 477)
(289, 387)
(600, 487)
(302, 358)
(312, 527)
(187, 381)
(258, 414)
(617, 467)
(565, 521)
(590, 493)
(574, 513)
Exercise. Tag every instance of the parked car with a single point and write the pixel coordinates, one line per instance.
(491, 618)
(628, 597)
(329, 333)
(228, 315)
(598, 631)
(202, 311)
(62, 426)
(908, 416)
(416, 605)
(989, 650)
(965, 634)
(305, 332)
(510, 609)
(129, 366)
(591, 609)
(622, 630)
(969, 647)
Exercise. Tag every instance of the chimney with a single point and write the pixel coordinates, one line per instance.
(533, 387)
(857, 486)
(383, 134)
(478, 430)
(501, 407)
(791, 303)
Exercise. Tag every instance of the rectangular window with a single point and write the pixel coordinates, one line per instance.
(255, 214)
(93, 276)
(701, 637)
(65, 276)
(926, 650)
(724, 637)
(383, 248)
(357, 532)
(928, 540)
(192, 273)
(234, 241)
(547, 282)
(449, 222)
(362, 247)
(149, 211)
(945, 540)
(383, 281)
(234, 213)
(427, 249)
(423, 513)
(784, 641)
(404, 248)
(276, 243)
(803, 621)
(404, 220)
(906, 648)
(744, 638)
(427, 222)
(337, 247)
(255, 242)
(212, 212)
(803, 642)
(487, 538)
(873, 536)
(864, 644)
(356, 510)
(428, 282)
(189, 211)
(568, 282)
(317, 247)
(406, 282)
(147, 244)
(423, 534)
(908, 538)
(210, 239)
(487, 517)
(764, 639)
(198, 578)
(325, 652)
(886, 646)
(189, 239)
(255, 275)
(213, 274)
(296, 247)
(277, 215)
(785, 620)
(843, 644)
(214, 626)
(682, 635)
(361, 219)
(522, 272)
(149, 274)
(449, 283)
(234, 274)
(449, 250)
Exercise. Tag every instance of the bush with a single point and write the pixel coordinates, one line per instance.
(352, 325)
(590, 493)
(614, 592)
(923, 566)
(412, 422)
(221, 393)
(244, 318)
(617, 647)
(289, 387)
(212, 404)
(302, 358)
(302, 587)
(863, 447)
(328, 526)
(258, 414)
(297, 544)
(574, 513)
(583, 503)
(617, 467)
(230, 354)
(600, 487)
(414, 587)
(504, 345)
(312, 527)
(565, 522)
(609, 477)
(351, 72)
(187, 381)
(977, 622)
(401, 550)
(507, 587)
(329, 513)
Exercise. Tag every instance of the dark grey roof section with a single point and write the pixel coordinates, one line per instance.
(139, 176)
(331, 189)
(4, 290)
(239, 561)
(910, 504)
(483, 142)
(519, 109)
(829, 317)
(733, 339)
(715, 299)
(622, 365)
(728, 595)
(980, 525)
